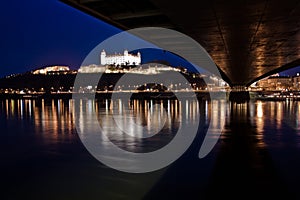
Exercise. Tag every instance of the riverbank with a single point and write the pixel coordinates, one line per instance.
(148, 95)
(107, 95)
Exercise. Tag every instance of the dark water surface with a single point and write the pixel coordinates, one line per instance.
(257, 155)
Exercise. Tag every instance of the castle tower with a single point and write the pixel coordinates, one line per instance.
(139, 60)
(126, 52)
(103, 58)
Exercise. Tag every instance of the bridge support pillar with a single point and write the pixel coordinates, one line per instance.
(239, 94)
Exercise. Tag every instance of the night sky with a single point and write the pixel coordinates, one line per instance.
(37, 33)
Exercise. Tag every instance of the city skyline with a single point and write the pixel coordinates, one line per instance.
(90, 111)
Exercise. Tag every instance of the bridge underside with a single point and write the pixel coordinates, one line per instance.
(247, 40)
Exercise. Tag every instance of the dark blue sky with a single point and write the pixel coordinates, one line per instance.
(37, 33)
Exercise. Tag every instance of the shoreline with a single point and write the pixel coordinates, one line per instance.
(143, 96)
(107, 95)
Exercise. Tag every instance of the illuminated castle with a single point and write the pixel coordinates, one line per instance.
(53, 70)
(119, 59)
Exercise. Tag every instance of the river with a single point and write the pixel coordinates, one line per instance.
(257, 154)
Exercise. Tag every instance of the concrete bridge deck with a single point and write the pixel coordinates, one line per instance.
(247, 40)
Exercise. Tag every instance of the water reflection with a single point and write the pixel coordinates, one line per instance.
(260, 145)
(51, 118)
(137, 126)
(259, 137)
(156, 116)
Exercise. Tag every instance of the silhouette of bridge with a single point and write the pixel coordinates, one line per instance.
(248, 40)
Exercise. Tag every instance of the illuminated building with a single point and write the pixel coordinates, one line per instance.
(119, 59)
(276, 83)
(296, 81)
(92, 69)
(52, 70)
(145, 70)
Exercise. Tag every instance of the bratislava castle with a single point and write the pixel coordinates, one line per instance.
(119, 59)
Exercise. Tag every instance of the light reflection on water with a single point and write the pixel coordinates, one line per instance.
(136, 126)
(58, 116)
(34, 130)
